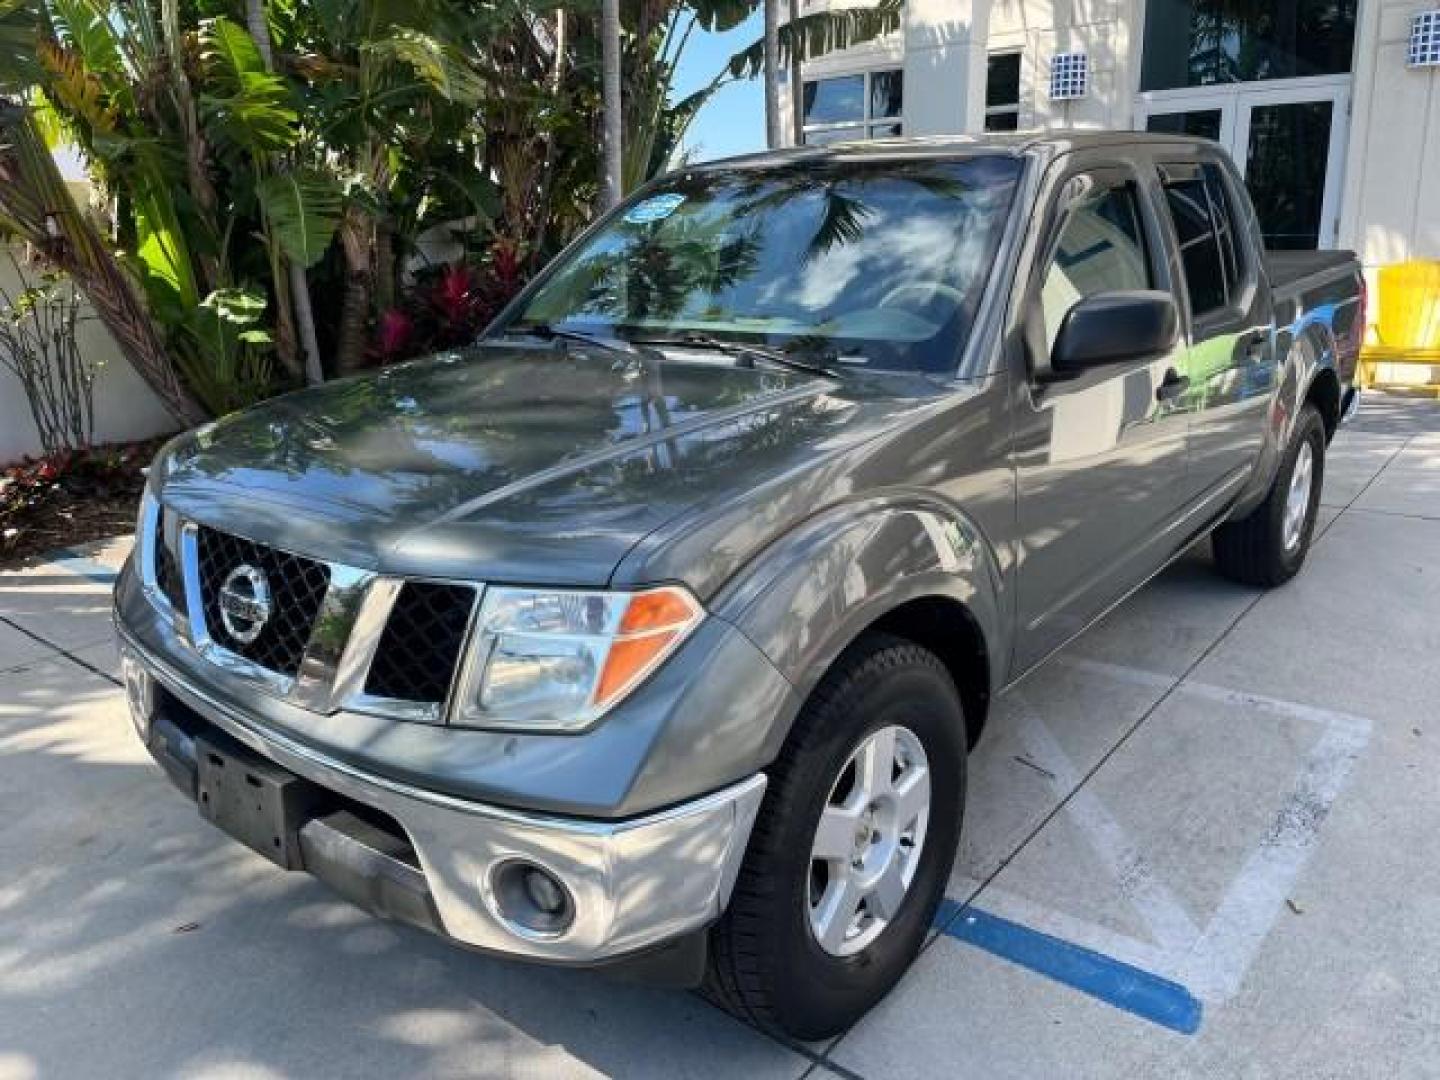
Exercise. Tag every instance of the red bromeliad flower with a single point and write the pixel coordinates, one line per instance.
(454, 295)
(396, 328)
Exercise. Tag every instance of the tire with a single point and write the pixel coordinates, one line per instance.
(767, 964)
(1259, 549)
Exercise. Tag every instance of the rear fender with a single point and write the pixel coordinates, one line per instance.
(1308, 348)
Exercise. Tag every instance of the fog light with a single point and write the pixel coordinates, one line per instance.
(532, 900)
(544, 892)
(139, 695)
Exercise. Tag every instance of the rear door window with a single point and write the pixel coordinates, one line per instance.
(1205, 231)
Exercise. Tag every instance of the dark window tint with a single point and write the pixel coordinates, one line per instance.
(879, 264)
(1200, 208)
(1002, 92)
(1002, 79)
(886, 94)
(1204, 123)
(1288, 152)
(1198, 42)
(1101, 248)
(831, 101)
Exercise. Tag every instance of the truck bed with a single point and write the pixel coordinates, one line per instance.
(1289, 268)
(1324, 287)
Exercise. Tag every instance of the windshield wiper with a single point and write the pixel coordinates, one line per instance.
(549, 332)
(740, 350)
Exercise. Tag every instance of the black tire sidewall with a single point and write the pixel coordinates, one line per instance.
(1308, 428)
(822, 992)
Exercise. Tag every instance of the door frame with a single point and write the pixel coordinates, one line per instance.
(1235, 102)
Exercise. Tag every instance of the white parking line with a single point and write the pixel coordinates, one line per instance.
(1211, 961)
(1162, 914)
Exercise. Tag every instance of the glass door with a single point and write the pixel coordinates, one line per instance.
(1288, 139)
(1290, 143)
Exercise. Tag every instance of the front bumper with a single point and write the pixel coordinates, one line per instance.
(633, 884)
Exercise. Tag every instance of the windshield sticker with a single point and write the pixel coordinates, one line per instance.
(655, 208)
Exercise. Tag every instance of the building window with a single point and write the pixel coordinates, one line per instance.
(865, 106)
(1200, 42)
(1002, 92)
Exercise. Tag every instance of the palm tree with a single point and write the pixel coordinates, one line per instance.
(773, 135)
(258, 23)
(797, 86)
(610, 51)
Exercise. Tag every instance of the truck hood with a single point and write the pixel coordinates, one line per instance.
(505, 464)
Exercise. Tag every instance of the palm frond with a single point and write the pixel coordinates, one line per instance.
(245, 103)
(303, 209)
(20, 23)
(823, 32)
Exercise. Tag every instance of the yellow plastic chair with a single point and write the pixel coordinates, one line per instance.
(1406, 329)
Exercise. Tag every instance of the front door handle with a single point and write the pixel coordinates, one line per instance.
(1172, 386)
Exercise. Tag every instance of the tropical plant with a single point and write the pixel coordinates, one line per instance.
(273, 173)
(656, 124)
(40, 346)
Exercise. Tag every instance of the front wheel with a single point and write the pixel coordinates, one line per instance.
(1268, 546)
(852, 847)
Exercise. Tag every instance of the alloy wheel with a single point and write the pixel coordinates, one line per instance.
(869, 840)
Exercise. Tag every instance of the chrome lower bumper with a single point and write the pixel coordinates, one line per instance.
(632, 885)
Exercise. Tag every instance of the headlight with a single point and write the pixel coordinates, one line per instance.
(555, 661)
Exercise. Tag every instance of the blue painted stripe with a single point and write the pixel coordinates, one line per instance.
(1138, 992)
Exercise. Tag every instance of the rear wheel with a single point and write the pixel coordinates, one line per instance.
(1268, 546)
(852, 848)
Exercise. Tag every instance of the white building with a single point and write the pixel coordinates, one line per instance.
(1331, 108)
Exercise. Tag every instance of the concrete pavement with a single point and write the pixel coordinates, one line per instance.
(1200, 842)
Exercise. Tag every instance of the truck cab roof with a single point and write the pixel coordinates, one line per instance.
(908, 148)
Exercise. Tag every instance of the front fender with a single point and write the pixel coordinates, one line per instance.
(813, 592)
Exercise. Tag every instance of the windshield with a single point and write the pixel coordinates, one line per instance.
(877, 263)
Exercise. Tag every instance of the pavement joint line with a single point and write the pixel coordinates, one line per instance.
(817, 1061)
(1378, 473)
(61, 650)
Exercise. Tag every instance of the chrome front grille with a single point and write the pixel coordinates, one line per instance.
(297, 589)
(332, 637)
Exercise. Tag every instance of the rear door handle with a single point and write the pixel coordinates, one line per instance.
(1172, 386)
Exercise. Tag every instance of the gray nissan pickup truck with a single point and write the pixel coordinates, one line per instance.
(653, 630)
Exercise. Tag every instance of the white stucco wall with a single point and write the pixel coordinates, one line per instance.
(1107, 31)
(124, 406)
(1391, 207)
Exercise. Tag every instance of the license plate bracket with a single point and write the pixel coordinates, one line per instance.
(253, 799)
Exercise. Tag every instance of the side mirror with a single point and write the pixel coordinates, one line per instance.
(1113, 327)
